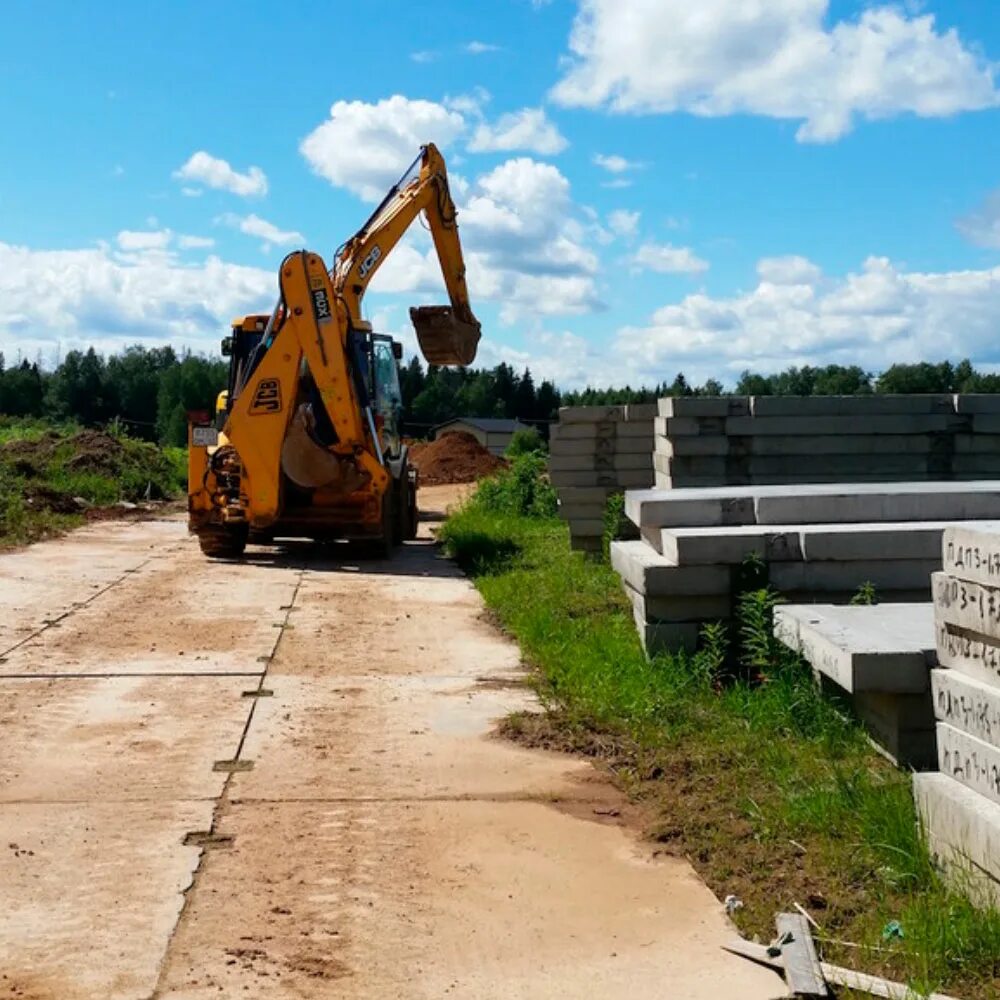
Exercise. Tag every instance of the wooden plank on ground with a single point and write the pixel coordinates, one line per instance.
(835, 974)
(802, 969)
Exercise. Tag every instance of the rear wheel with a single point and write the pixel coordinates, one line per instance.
(411, 516)
(224, 541)
(382, 547)
(400, 499)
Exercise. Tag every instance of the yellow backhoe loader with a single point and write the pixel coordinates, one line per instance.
(306, 442)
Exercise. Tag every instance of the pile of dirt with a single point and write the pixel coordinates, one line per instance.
(453, 458)
(84, 451)
(29, 456)
(95, 451)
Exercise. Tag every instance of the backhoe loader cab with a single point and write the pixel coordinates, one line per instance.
(307, 439)
(379, 356)
(323, 496)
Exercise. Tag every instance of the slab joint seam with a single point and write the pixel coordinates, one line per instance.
(51, 622)
(223, 800)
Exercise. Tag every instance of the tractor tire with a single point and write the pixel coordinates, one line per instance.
(411, 519)
(399, 498)
(224, 541)
(405, 490)
(382, 546)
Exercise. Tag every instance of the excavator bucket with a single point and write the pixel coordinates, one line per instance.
(444, 338)
(309, 465)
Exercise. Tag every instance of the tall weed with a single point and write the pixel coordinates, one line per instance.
(521, 490)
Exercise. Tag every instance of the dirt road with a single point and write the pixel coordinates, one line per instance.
(276, 779)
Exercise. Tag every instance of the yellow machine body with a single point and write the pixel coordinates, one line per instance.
(305, 440)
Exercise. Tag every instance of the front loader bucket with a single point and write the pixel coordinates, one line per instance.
(444, 338)
(309, 465)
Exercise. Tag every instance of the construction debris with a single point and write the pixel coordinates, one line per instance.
(802, 967)
(834, 975)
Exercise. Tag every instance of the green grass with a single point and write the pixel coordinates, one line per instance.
(46, 470)
(31, 428)
(770, 789)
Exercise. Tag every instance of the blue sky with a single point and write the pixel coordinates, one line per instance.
(644, 187)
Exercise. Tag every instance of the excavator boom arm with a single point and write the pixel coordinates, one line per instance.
(448, 335)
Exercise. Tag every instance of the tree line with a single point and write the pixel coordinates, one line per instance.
(151, 390)
(826, 380)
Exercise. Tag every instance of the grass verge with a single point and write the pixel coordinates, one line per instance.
(52, 477)
(772, 793)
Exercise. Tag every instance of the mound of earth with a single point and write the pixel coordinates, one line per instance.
(95, 451)
(84, 451)
(453, 458)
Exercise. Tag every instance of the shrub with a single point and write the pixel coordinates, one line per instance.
(521, 490)
(526, 442)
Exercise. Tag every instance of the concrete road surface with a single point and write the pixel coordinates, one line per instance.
(276, 779)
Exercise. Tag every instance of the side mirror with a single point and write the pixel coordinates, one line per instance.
(397, 350)
(227, 346)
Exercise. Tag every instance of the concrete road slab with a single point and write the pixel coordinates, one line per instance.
(392, 847)
(360, 622)
(969, 760)
(91, 894)
(392, 737)
(41, 583)
(118, 739)
(882, 647)
(182, 614)
(646, 571)
(962, 830)
(459, 899)
(967, 704)
(815, 503)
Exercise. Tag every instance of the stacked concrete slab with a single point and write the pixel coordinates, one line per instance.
(879, 658)
(960, 806)
(747, 440)
(820, 543)
(595, 451)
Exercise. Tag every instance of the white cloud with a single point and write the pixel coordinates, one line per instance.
(614, 164)
(982, 226)
(528, 129)
(664, 258)
(75, 298)
(617, 184)
(254, 225)
(563, 358)
(791, 270)
(131, 239)
(778, 59)
(138, 241)
(525, 247)
(365, 147)
(623, 223)
(423, 56)
(471, 103)
(195, 242)
(480, 48)
(203, 168)
(190, 192)
(873, 318)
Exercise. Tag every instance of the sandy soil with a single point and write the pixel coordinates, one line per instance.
(278, 779)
